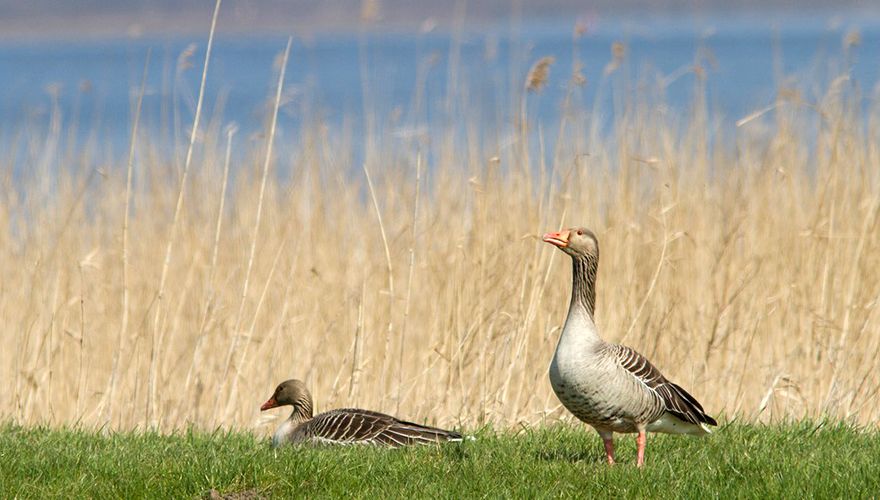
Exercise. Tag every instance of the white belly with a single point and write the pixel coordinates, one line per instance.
(670, 424)
(282, 434)
(596, 390)
(582, 387)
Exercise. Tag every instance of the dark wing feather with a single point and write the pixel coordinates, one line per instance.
(350, 425)
(676, 400)
(412, 433)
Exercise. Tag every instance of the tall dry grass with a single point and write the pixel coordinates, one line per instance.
(417, 283)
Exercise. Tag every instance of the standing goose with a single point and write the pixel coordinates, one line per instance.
(345, 426)
(609, 386)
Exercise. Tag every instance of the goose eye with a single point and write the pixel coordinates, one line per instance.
(580, 233)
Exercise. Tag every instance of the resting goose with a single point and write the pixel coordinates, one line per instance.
(345, 426)
(612, 387)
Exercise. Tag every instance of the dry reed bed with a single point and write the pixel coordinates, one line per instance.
(421, 286)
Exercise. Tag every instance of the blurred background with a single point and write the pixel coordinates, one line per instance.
(381, 240)
(406, 60)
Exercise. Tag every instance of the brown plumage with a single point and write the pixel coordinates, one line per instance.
(675, 399)
(347, 425)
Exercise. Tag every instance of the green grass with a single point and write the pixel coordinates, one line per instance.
(796, 461)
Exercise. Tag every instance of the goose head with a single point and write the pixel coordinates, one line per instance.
(290, 393)
(577, 242)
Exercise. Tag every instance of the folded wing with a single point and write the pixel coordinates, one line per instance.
(676, 400)
(351, 426)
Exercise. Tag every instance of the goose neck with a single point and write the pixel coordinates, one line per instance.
(583, 285)
(302, 411)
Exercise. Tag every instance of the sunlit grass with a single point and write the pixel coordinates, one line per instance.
(794, 460)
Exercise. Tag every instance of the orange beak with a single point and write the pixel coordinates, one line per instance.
(270, 403)
(560, 239)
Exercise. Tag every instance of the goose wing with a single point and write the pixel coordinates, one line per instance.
(351, 425)
(676, 400)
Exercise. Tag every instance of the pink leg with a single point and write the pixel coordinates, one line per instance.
(609, 449)
(641, 440)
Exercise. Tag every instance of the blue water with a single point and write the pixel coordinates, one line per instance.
(403, 78)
